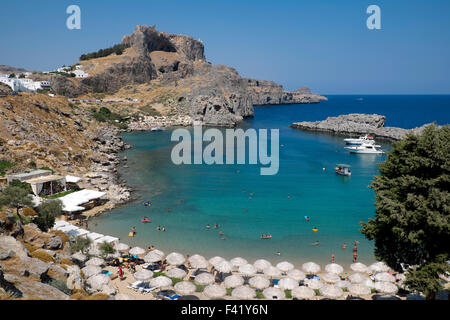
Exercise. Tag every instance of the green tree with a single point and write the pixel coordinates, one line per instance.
(411, 226)
(47, 212)
(12, 75)
(16, 197)
(107, 248)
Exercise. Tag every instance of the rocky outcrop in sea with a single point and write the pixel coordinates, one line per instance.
(358, 124)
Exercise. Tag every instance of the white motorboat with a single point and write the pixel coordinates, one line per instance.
(343, 170)
(365, 148)
(358, 141)
(157, 129)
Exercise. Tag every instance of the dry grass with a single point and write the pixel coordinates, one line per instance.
(43, 256)
(64, 237)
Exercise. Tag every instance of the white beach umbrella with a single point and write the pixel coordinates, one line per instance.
(314, 283)
(285, 266)
(160, 282)
(303, 293)
(95, 262)
(331, 291)
(224, 266)
(359, 267)
(342, 284)
(198, 262)
(136, 251)
(369, 283)
(122, 247)
(97, 281)
(273, 294)
(91, 270)
(386, 287)
(259, 282)
(159, 252)
(238, 261)
(378, 267)
(215, 291)
(204, 279)
(334, 268)
(331, 278)
(358, 278)
(359, 289)
(311, 267)
(153, 257)
(384, 276)
(175, 259)
(296, 275)
(262, 264)
(247, 269)
(233, 281)
(287, 284)
(215, 260)
(244, 293)
(272, 272)
(176, 273)
(185, 287)
(143, 275)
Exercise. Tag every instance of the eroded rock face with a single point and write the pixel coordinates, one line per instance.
(11, 244)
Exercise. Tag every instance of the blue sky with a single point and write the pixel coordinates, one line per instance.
(323, 44)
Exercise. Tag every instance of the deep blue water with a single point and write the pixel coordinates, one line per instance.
(220, 194)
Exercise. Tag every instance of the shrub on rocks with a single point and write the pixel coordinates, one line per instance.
(42, 255)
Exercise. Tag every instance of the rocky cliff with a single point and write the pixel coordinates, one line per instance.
(357, 124)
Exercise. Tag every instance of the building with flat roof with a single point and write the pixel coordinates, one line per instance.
(28, 175)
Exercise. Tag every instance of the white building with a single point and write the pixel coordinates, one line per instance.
(24, 84)
(80, 73)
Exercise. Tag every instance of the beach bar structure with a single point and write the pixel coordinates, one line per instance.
(81, 200)
(47, 185)
(28, 175)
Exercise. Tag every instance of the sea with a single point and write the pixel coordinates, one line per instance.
(186, 198)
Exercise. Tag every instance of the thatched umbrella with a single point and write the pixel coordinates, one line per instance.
(262, 264)
(160, 282)
(122, 247)
(272, 272)
(303, 293)
(153, 257)
(357, 278)
(215, 291)
(342, 284)
(311, 267)
(386, 287)
(136, 251)
(198, 262)
(243, 292)
(378, 267)
(238, 261)
(296, 275)
(359, 267)
(314, 283)
(369, 283)
(259, 282)
(91, 270)
(334, 268)
(159, 252)
(175, 259)
(185, 287)
(247, 269)
(95, 262)
(331, 278)
(331, 291)
(143, 275)
(287, 284)
(273, 294)
(384, 276)
(233, 281)
(359, 289)
(285, 266)
(224, 266)
(176, 273)
(215, 260)
(204, 279)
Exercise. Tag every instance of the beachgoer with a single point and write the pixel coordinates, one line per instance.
(315, 229)
(332, 258)
(278, 253)
(163, 229)
(168, 209)
(133, 230)
(307, 219)
(355, 256)
(158, 228)
(356, 242)
(220, 233)
(344, 246)
(355, 248)
(120, 273)
(208, 226)
(216, 226)
(316, 243)
(288, 196)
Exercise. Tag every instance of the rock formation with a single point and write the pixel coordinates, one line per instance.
(357, 124)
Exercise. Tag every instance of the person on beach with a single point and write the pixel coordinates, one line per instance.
(355, 256)
(120, 271)
(133, 230)
(344, 246)
(332, 258)
(356, 242)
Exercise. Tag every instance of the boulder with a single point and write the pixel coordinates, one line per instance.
(38, 290)
(98, 281)
(55, 243)
(110, 291)
(79, 257)
(11, 244)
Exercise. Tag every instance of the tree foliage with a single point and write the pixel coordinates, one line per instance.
(117, 49)
(47, 212)
(411, 225)
(15, 197)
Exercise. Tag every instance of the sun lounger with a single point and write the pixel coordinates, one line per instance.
(275, 283)
(168, 297)
(134, 285)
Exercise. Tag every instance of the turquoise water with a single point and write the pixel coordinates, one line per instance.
(200, 194)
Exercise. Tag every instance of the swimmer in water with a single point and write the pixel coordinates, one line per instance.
(168, 209)
(158, 228)
(332, 258)
(315, 229)
(163, 229)
(245, 210)
(307, 219)
(288, 196)
(278, 253)
(216, 226)
(207, 226)
(315, 243)
(221, 233)
(344, 246)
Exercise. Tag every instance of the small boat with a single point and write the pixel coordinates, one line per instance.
(145, 221)
(343, 170)
(266, 236)
(157, 129)
(365, 148)
(358, 141)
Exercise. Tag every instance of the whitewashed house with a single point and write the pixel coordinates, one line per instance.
(80, 73)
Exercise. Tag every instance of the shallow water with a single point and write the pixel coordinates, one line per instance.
(200, 194)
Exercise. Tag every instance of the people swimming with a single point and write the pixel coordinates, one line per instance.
(278, 253)
(163, 229)
(332, 258)
(158, 228)
(344, 246)
(216, 226)
(307, 218)
(147, 204)
(315, 229)
(316, 243)
(145, 220)
(208, 226)
(266, 236)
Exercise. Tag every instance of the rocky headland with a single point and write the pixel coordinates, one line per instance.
(358, 124)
